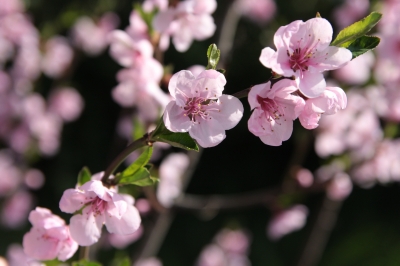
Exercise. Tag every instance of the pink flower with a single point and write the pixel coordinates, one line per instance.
(16, 208)
(340, 187)
(66, 102)
(148, 262)
(58, 57)
(100, 205)
(91, 37)
(350, 12)
(287, 221)
(260, 11)
(274, 111)
(150, 5)
(303, 51)
(171, 170)
(49, 237)
(122, 241)
(329, 102)
(200, 108)
(190, 19)
(357, 71)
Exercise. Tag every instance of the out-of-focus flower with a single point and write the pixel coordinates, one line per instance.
(150, 5)
(101, 205)
(304, 177)
(303, 51)
(329, 102)
(357, 71)
(350, 12)
(58, 57)
(260, 11)
(274, 111)
(339, 187)
(10, 174)
(34, 178)
(148, 262)
(49, 237)
(11, 6)
(16, 208)
(287, 221)
(17, 257)
(189, 20)
(170, 172)
(122, 241)
(66, 102)
(200, 108)
(92, 37)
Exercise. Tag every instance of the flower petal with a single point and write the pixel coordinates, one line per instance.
(230, 111)
(127, 224)
(209, 84)
(208, 133)
(86, 228)
(72, 200)
(175, 119)
(312, 84)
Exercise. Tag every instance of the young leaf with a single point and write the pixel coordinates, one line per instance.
(356, 30)
(363, 45)
(213, 54)
(138, 129)
(139, 178)
(176, 139)
(84, 176)
(138, 163)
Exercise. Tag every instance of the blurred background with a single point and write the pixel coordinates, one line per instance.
(318, 199)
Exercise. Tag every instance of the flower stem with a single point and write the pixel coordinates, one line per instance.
(84, 253)
(137, 144)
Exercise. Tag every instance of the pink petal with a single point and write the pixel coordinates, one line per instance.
(204, 27)
(127, 224)
(312, 84)
(230, 111)
(268, 57)
(97, 187)
(38, 247)
(280, 132)
(331, 58)
(86, 229)
(163, 19)
(72, 200)
(181, 83)
(68, 249)
(209, 84)
(257, 90)
(208, 133)
(175, 119)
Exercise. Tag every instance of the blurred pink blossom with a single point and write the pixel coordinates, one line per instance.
(287, 221)
(339, 187)
(233, 241)
(17, 257)
(91, 36)
(101, 205)
(122, 241)
(350, 11)
(303, 51)
(34, 178)
(66, 102)
(11, 6)
(16, 208)
(357, 71)
(260, 11)
(200, 108)
(150, 5)
(170, 172)
(212, 255)
(189, 20)
(274, 111)
(49, 237)
(10, 174)
(304, 177)
(148, 262)
(58, 57)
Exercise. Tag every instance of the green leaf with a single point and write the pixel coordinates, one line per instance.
(147, 17)
(141, 178)
(213, 54)
(176, 139)
(85, 263)
(124, 262)
(84, 176)
(138, 129)
(138, 163)
(356, 30)
(363, 45)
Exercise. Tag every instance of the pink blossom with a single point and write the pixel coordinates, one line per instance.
(287, 221)
(16, 208)
(304, 177)
(196, 69)
(212, 255)
(66, 102)
(100, 205)
(17, 257)
(34, 178)
(339, 187)
(148, 262)
(122, 241)
(49, 237)
(260, 11)
(200, 108)
(10, 174)
(90, 36)
(11, 6)
(329, 102)
(190, 19)
(303, 51)
(274, 111)
(350, 12)
(233, 241)
(357, 71)
(170, 172)
(58, 57)
(137, 28)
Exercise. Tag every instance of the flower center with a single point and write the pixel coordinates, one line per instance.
(196, 107)
(298, 60)
(271, 108)
(98, 206)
